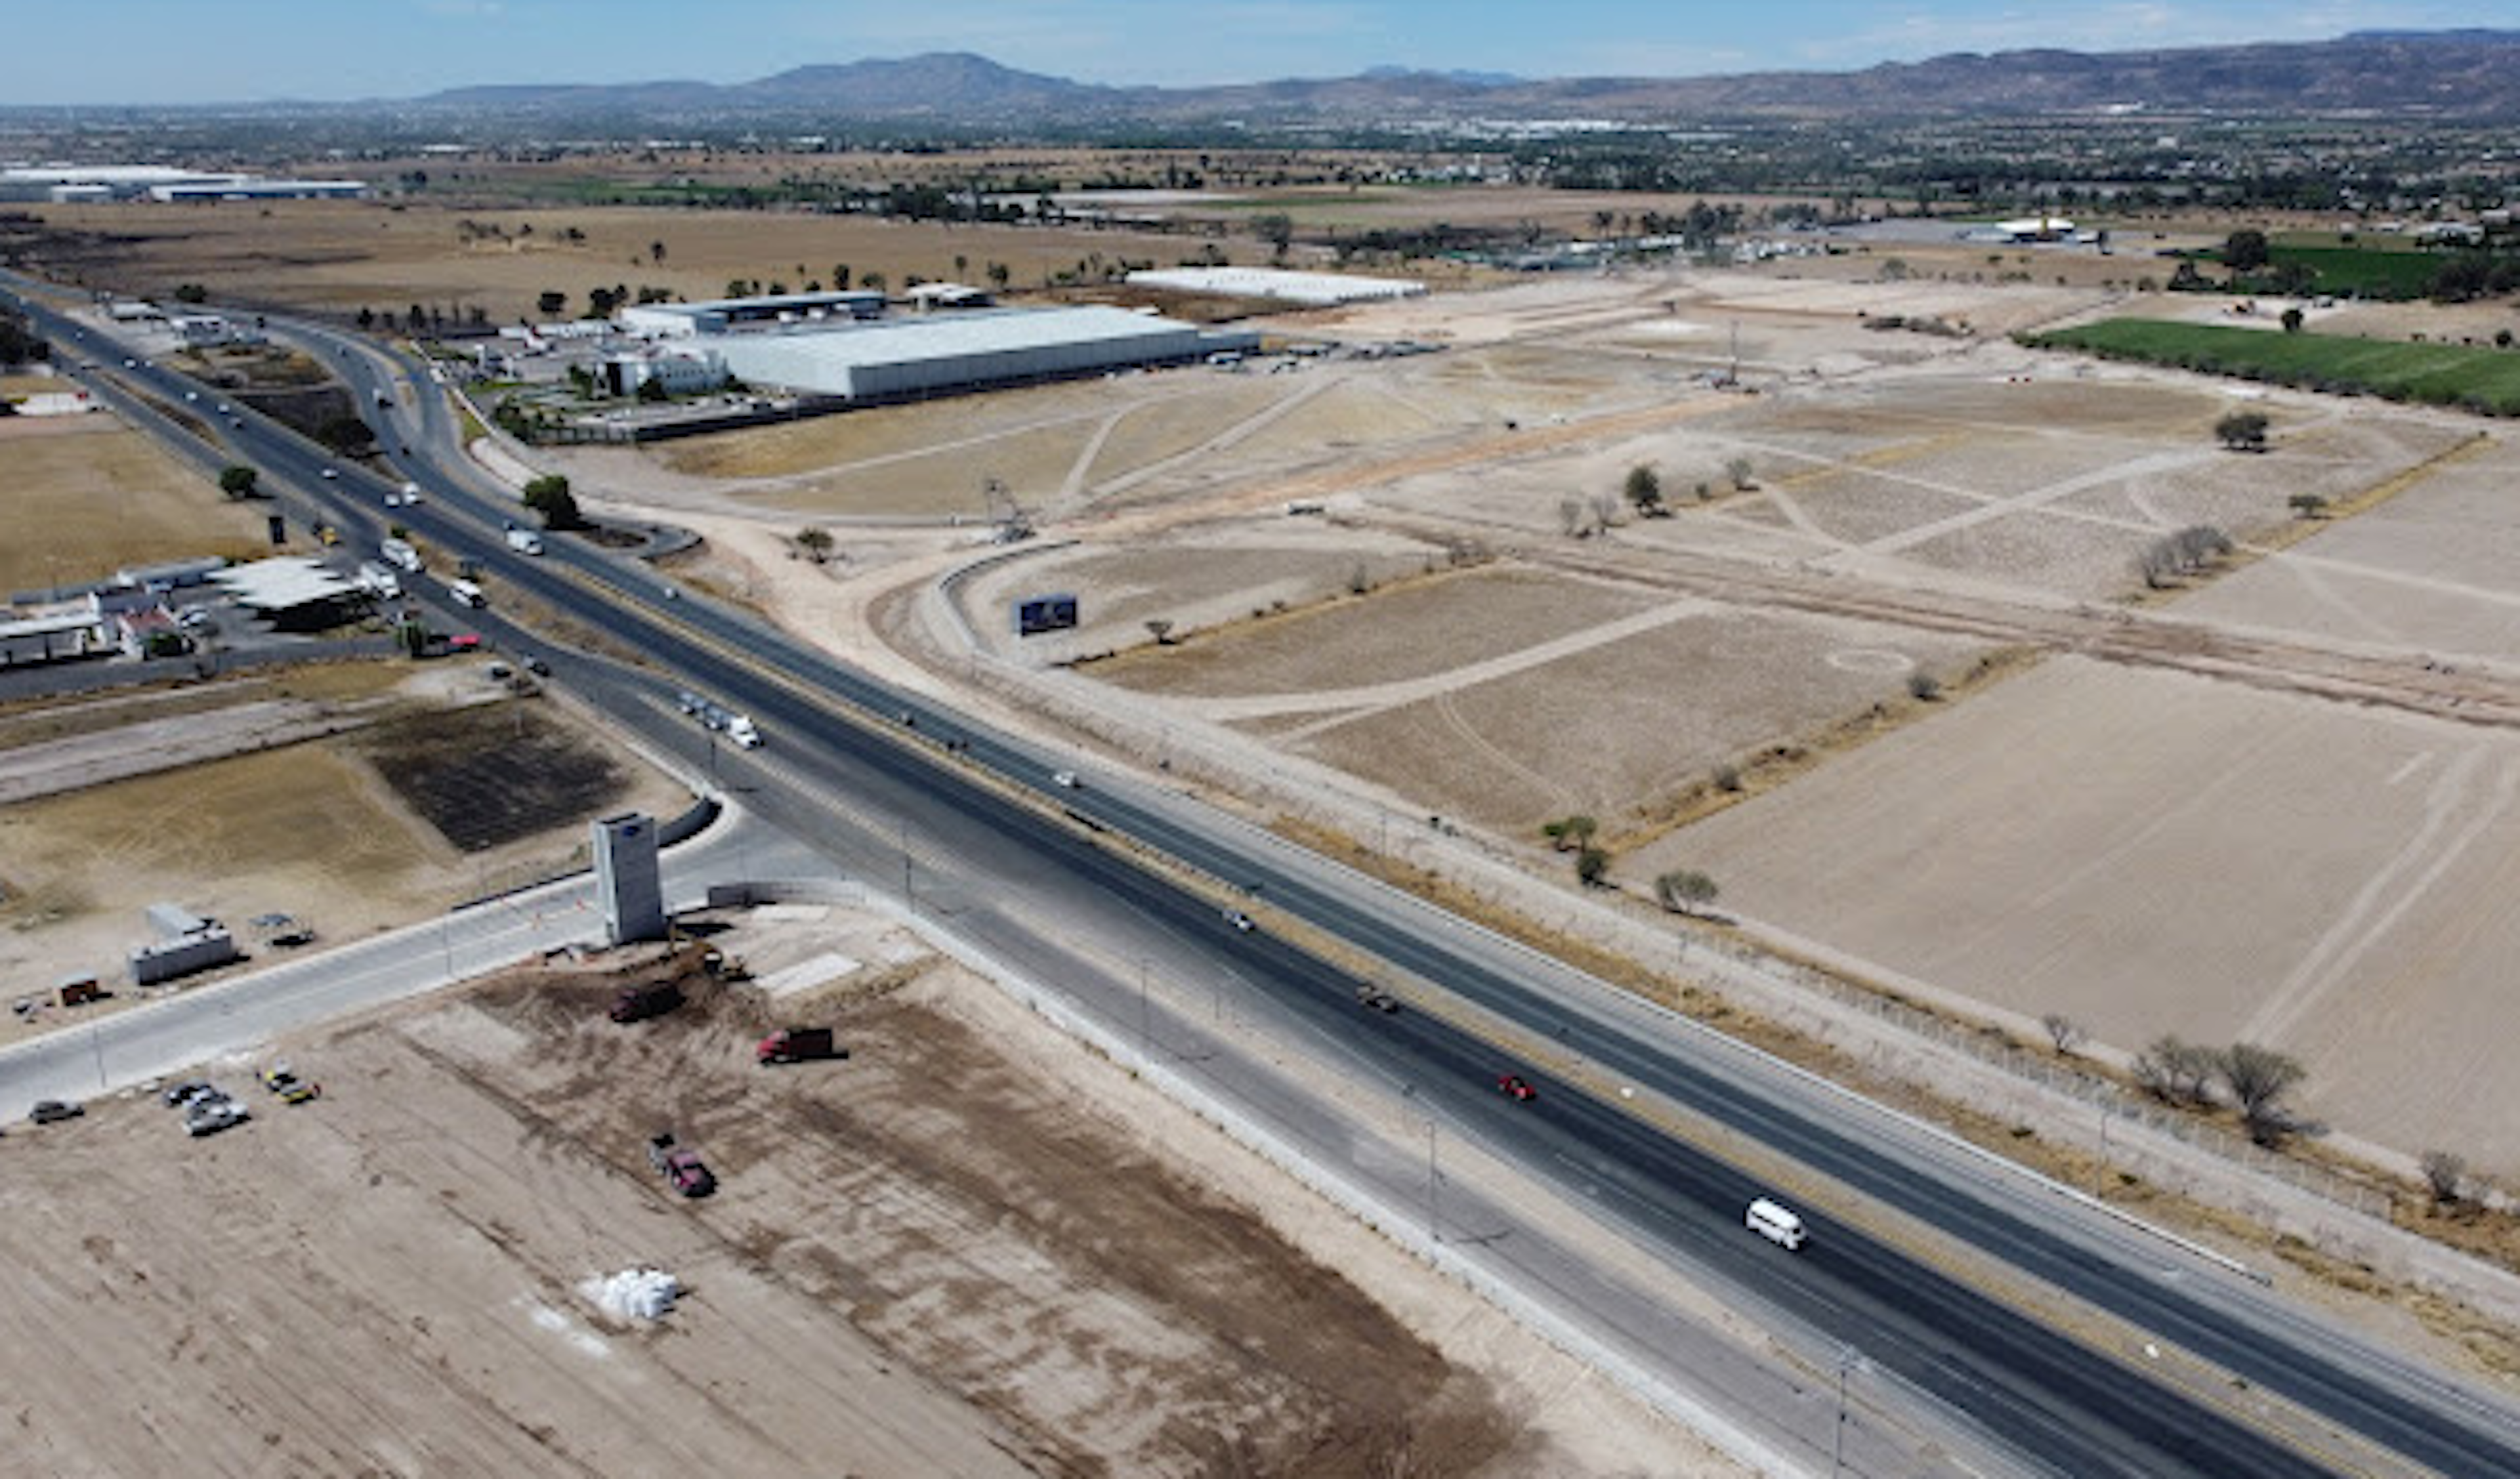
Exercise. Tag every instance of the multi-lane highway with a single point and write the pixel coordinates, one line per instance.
(2053, 1403)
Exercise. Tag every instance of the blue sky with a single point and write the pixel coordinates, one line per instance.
(191, 50)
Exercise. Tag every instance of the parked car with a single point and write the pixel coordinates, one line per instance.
(535, 665)
(280, 1080)
(185, 1093)
(54, 1112)
(680, 1168)
(1515, 1087)
(210, 1116)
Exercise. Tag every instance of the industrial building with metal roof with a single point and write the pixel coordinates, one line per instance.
(940, 353)
(718, 315)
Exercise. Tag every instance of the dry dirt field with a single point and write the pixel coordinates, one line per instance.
(309, 826)
(966, 1249)
(2148, 854)
(340, 256)
(85, 497)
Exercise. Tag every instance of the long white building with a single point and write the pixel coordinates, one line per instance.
(938, 353)
(1311, 289)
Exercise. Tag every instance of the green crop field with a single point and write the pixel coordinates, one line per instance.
(2364, 271)
(2442, 374)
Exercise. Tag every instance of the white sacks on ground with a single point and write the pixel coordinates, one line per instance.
(632, 1293)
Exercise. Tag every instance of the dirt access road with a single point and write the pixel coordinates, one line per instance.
(968, 1249)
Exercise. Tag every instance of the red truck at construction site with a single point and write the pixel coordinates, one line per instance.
(798, 1045)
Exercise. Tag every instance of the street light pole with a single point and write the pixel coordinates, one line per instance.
(1434, 1224)
(1146, 1022)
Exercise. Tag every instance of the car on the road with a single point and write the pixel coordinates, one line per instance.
(1066, 778)
(689, 702)
(393, 499)
(192, 395)
(131, 364)
(1375, 996)
(1240, 921)
(283, 1081)
(672, 594)
(223, 408)
(1515, 1087)
(210, 1116)
(330, 476)
(534, 665)
(681, 1168)
(410, 490)
(54, 1112)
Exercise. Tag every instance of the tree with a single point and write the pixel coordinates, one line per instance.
(657, 253)
(1925, 687)
(1275, 227)
(1684, 890)
(237, 481)
(816, 541)
(1570, 831)
(2259, 1078)
(2063, 1031)
(1644, 491)
(553, 304)
(1737, 471)
(549, 496)
(366, 320)
(651, 390)
(998, 275)
(601, 301)
(2292, 319)
(2175, 1072)
(1591, 865)
(2443, 1172)
(2246, 250)
(2308, 505)
(1160, 628)
(192, 292)
(839, 277)
(2243, 430)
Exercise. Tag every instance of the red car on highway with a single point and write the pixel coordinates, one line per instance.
(1515, 1087)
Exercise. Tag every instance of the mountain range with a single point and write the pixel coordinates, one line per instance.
(2468, 75)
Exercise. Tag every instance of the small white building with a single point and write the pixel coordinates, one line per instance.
(677, 370)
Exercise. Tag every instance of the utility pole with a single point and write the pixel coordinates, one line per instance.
(1146, 1020)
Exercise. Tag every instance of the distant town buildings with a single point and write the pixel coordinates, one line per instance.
(89, 184)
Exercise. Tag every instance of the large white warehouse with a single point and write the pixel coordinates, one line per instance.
(924, 356)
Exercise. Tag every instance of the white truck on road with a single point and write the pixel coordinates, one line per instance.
(380, 581)
(524, 541)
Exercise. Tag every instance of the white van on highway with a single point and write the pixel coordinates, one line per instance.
(1774, 1222)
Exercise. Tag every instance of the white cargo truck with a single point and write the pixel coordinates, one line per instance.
(380, 581)
(399, 554)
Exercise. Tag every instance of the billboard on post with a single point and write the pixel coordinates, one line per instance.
(1036, 614)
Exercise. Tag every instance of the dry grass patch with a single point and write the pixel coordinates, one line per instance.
(85, 497)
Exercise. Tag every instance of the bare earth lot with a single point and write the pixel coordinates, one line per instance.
(84, 497)
(958, 1251)
(2153, 854)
